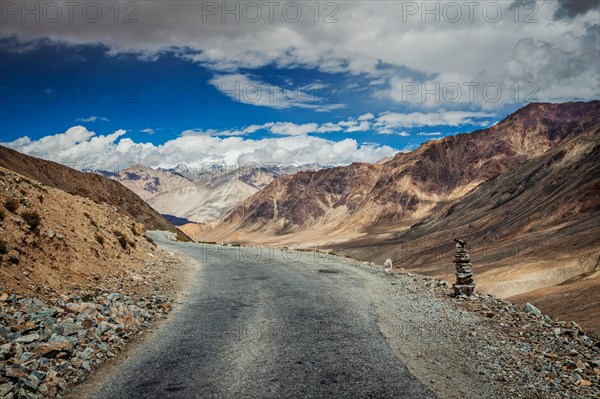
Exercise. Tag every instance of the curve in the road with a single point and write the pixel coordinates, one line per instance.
(275, 325)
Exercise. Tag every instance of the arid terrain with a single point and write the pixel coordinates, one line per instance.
(54, 242)
(186, 195)
(78, 280)
(87, 185)
(523, 193)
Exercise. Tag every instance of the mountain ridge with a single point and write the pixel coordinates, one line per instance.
(90, 185)
(411, 185)
(517, 192)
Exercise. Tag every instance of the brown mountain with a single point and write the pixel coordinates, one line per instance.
(534, 233)
(346, 201)
(524, 193)
(52, 242)
(87, 185)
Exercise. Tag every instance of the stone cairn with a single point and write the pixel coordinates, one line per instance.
(464, 274)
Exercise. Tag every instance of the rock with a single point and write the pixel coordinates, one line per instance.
(113, 297)
(24, 327)
(43, 389)
(4, 332)
(86, 354)
(51, 234)
(27, 339)
(5, 389)
(70, 329)
(16, 371)
(557, 331)
(40, 375)
(52, 348)
(464, 285)
(583, 383)
(529, 308)
(30, 384)
(388, 264)
(120, 314)
(86, 366)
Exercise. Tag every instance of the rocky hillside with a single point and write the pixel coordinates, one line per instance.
(78, 279)
(535, 232)
(53, 242)
(87, 185)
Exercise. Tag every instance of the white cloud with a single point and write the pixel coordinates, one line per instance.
(83, 149)
(562, 52)
(292, 129)
(390, 131)
(429, 134)
(149, 131)
(241, 88)
(389, 122)
(92, 118)
(363, 126)
(329, 127)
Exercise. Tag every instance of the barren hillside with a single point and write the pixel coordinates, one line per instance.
(52, 242)
(345, 201)
(88, 185)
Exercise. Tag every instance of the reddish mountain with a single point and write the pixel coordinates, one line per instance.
(411, 186)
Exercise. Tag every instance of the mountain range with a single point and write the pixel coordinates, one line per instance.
(186, 194)
(523, 193)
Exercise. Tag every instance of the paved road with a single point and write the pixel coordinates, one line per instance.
(269, 325)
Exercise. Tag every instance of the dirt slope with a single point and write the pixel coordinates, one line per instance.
(87, 185)
(52, 242)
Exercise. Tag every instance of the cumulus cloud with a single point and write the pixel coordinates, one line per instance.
(357, 38)
(83, 149)
(292, 129)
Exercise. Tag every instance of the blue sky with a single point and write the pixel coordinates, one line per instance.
(57, 86)
(191, 88)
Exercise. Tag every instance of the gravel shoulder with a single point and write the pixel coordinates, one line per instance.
(481, 347)
(183, 276)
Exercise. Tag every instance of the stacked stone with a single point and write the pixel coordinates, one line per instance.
(464, 273)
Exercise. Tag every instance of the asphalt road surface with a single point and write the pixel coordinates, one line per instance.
(267, 324)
